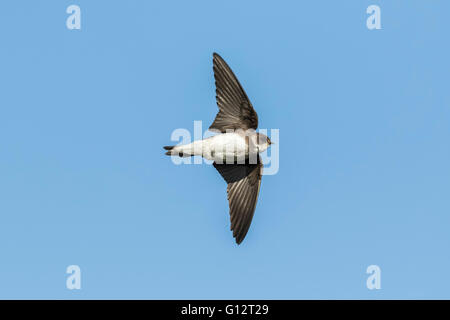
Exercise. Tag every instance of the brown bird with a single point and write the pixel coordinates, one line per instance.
(235, 150)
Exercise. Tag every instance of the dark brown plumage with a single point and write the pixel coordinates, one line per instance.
(244, 180)
(235, 109)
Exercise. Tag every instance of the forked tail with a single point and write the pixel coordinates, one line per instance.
(169, 148)
(174, 151)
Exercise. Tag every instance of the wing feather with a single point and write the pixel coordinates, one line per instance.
(235, 109)
(244, 181)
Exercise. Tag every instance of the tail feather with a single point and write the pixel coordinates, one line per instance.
(169, 148)
(172, 152)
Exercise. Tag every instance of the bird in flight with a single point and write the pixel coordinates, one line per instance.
(235, 151)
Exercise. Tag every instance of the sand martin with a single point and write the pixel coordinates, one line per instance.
(235, 149)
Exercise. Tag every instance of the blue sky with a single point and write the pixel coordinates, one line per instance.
(364, 149)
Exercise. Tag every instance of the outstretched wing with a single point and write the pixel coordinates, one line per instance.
(235, 109)
(244, 181)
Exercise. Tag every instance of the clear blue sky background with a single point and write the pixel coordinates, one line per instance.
(364, 149)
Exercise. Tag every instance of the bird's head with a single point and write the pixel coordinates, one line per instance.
(263, 142)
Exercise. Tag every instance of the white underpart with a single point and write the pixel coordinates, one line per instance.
(222, 147)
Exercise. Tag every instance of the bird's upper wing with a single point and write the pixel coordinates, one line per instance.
(243, 181)
(235, 109)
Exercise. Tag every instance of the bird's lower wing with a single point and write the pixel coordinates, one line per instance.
(244, 181)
